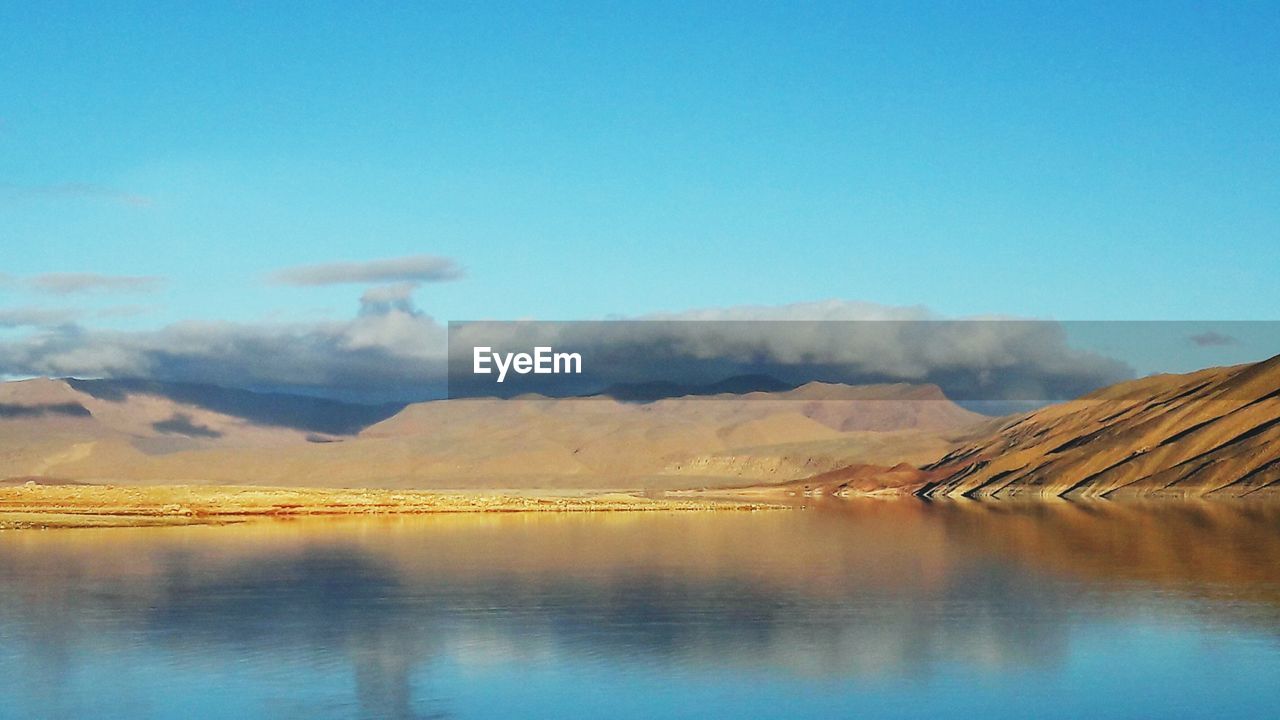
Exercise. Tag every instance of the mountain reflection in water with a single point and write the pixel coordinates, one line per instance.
(895, 609)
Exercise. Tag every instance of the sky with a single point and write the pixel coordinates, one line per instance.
(163, 164)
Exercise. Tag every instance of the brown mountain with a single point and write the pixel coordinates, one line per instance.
(851, 480)
(145, 433)
(1215, 432)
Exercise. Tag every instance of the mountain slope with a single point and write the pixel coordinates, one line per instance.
(1215, 432)
(83, 432)
(66, 428)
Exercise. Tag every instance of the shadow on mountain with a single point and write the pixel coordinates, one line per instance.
(299, 412)
(29, 411)
(180, 424)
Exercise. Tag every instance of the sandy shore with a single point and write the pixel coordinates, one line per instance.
(60, 506)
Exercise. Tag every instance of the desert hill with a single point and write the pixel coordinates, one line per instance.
(51, 423)
(658, 390)
(1215, 432)
(300, 412)
(140, 433)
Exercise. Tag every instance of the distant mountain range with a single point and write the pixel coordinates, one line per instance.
(1215, 433)
(737, 385)
(148, 432)
(268, 409)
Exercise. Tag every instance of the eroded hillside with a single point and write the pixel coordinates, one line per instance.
(1215, 432)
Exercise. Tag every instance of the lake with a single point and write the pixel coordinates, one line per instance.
(869, 609)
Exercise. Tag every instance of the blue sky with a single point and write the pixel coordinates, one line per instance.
(1090, 161)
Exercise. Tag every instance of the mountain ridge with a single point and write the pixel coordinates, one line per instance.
(1212, 432)
(135, 432)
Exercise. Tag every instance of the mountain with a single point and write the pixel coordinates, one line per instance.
(133, 432)
(674, 442)
(269, 409)
(658, 390)
(100, 429)
(1213, 433)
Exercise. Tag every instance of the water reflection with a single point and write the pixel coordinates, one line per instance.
(400, 617)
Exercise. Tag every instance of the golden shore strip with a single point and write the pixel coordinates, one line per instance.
(60, 506)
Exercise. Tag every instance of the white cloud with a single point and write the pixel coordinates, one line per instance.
(412, 269)
(68, 283)
(379, 354)
(34, 317)
(390, 349)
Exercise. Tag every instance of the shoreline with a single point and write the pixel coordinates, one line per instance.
(33, 506)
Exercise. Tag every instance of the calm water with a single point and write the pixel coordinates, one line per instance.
(857, 609)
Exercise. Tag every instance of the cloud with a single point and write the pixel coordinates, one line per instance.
(412, 269)
(385, 299)
(1001, 360)
(35, 317)
(68, 283)
(1211, 339)
(395, 353)
(392, 350)
(74, 191)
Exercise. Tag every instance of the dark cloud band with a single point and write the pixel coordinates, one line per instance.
(391, 350)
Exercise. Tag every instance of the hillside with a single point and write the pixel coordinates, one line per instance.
(1215, 432)
(49, 427)
(146, 434)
